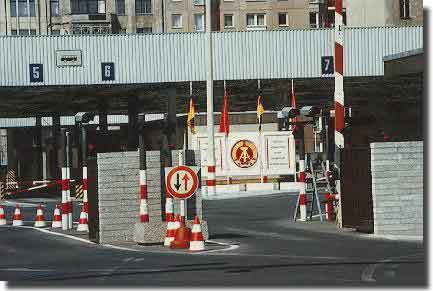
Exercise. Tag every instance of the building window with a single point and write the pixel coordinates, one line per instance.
(54, 8)
(176, 21)
(198, 2)
(143, 7)
(88, 6)
(24, 32)
(228, 20)
(199, 22)
(256, 21)
(314, 17)
(55, 31)
(404, 9)
(283, 19)
(144, 29)
(120, 7)
(23, 9)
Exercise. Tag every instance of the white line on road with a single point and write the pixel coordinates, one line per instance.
(56, 233)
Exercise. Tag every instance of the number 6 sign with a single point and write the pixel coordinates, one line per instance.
(107, 70)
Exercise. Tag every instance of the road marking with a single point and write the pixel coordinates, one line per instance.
(25, 270)
(56, 233)
(22, 204)
(367, 274)
(230, 248)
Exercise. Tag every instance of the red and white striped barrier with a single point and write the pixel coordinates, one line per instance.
(2, 216)
(211, 180)
(65, 203)
(85, 198)
(169, 206)
(339, 91)
(302, 189)
(144, 211)
(170, 234)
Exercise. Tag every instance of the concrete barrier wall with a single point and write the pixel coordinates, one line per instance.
(118, 190)
(397, 188)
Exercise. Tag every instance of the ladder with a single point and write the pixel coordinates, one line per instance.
(317, 182)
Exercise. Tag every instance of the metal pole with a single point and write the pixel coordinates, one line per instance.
(183, 208)
(209, 102)
(64, 184)
(68, 177)
(260, 137)
(226, 160)
(84, 163)
(339, 97)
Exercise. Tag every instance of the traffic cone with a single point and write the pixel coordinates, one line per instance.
(197, 241)
(2, 216)
(40, 220)
(169, 235)
(17, 220)
(182, 237)
(177, 223)
(82, 225)
(57, 220)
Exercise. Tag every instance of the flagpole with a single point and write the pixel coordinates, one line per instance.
(226, 144)
(260, 137)
(209, 105)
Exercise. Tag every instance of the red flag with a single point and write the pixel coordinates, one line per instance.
(224, 122)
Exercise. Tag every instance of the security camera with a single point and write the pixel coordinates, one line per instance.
(310, 111)
(84, 117)
(290, 112)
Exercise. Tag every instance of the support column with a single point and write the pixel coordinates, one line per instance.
(132, 124)
(144, 211)
(65, 185)
(37, 150)
(84, 163)
(68, 176)
(209, 104)
(57, 145)
(171, 124)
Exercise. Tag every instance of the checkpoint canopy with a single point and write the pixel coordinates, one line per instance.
(181, 181)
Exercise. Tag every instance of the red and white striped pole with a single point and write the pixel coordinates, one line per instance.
(339, 93)
(144, 211)
(302, 188)
(68, 177)
(64, 182)
(85, 198)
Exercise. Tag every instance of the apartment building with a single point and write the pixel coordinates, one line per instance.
(367, 13)
(384, 12)
(26, 17)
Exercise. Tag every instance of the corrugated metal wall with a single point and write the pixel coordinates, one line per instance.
(141, 58)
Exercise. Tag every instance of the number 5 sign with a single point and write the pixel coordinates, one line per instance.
(107, 70)
(36, 73)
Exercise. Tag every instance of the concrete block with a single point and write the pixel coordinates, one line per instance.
(154, 232)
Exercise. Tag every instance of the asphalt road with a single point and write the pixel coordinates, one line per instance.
(271, 251)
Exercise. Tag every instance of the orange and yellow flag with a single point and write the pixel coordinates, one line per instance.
(191, 116)
(260, 111)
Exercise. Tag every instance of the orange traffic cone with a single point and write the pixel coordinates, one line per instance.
(57, 220)
(182, 236)
(2, 216)
(40, 220)
(82, 225)
(17, 220)
(169, 235)
(197, 241)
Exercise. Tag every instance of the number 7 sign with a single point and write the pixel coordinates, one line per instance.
(327, 65)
